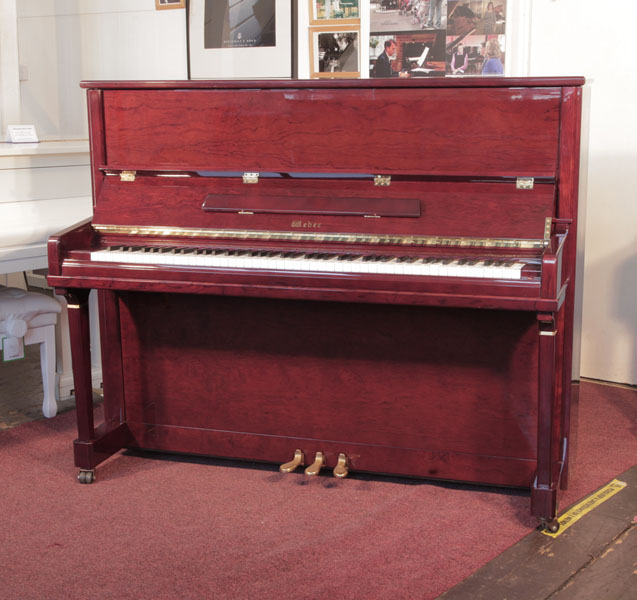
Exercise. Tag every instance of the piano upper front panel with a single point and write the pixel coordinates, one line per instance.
(481, 131)
(446, 208)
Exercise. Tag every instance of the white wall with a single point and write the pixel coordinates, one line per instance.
(9, 87)
(576, 37)
(62, 42)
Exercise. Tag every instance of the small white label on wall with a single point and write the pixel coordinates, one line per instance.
(21, 134)
(12, 348)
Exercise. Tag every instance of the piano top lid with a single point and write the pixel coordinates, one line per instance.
(398, 82)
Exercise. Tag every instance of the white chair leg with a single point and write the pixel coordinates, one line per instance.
(47, 363)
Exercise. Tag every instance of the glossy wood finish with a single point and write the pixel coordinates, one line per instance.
(229, 84)
(77, 305)
(111, 351)
(463, 209)
(568, 209)
(427, 291)
(389, 460)
(354, 132)
(250, 369)
(461, 379)
(97, 141)
(80, 235)
(325, 361)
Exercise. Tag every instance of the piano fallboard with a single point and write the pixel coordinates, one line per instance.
(451, 209)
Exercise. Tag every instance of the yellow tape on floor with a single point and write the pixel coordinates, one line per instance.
(585, 506)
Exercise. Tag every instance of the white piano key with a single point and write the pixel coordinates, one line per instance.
(477, 270)
(514, 270)
(452, 269)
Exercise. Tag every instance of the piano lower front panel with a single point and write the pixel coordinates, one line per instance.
(433, 392)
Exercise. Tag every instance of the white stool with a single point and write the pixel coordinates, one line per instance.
(33, 316)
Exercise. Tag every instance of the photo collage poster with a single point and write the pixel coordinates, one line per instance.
(436, 38)
(335, 38)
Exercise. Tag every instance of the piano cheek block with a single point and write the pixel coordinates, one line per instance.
(438, 325)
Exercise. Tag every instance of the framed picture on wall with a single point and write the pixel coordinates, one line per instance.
(341, 12)
(335, 52)
(240, 39)
(161, 4)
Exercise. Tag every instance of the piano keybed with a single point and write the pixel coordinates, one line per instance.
(326, 262)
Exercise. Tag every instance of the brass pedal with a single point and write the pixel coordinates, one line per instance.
(315, 467)
(341, 470)
(298, 459)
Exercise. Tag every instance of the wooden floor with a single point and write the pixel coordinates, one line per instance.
(596, 558)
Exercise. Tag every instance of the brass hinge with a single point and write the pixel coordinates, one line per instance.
(127, 175)
(524, 183)
(548, 222)
(250, 178)
(382, 179)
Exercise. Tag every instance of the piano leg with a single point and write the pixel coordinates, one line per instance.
(93, 445)
(544, 491)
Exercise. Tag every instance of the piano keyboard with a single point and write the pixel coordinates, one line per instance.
(312, 261)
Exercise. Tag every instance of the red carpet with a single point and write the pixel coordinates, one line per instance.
(188, 528)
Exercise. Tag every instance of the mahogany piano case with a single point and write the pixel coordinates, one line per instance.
(356, 275)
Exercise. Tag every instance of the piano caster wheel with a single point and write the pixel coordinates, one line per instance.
(315, 467)
(85, 476)
(341, 470)
(552, 525)
(298, 459)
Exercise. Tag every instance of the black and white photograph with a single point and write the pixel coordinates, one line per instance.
(240, 38)
(242, 24)
(420, 54)
(340, 11)
(407, 15)
(334, 52)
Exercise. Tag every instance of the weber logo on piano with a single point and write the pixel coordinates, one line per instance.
(306, 224)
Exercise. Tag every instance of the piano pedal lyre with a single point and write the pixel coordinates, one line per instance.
(341, 470)
(316, 466)
(298, 459)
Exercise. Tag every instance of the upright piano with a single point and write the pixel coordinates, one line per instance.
(358, 276)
